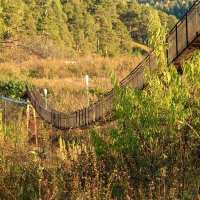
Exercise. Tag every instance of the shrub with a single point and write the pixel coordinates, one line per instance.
(13, 88)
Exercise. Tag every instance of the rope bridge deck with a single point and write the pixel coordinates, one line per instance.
(183, 39)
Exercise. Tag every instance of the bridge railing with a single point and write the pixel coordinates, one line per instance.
(95, 111)
(184, 32)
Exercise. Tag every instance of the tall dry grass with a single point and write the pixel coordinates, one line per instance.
(70, 170)
(64, 78)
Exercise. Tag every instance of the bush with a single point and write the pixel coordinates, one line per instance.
(13, 88)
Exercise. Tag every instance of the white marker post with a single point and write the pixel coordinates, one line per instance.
(45, 94)
(87, 87)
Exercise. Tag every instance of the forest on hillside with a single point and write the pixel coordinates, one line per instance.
(47, 28)
(174, 7)
(150, 152)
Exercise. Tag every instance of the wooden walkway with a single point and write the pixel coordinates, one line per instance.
(183, 39)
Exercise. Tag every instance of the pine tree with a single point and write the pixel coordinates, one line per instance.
(61, 17)
(12, 16)
(108, 43)
(123, 35)
(30, 18)
(81, 25)
(52, 22)
(90, 32)
(136, 21)
(2, 25)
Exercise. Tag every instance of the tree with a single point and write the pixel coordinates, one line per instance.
(136, 21)
(81, 25)
(108, 42)
(52, 22)
(11, 15)
(123, 35)
(30, 18)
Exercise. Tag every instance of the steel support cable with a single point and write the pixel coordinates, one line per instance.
(15, 101)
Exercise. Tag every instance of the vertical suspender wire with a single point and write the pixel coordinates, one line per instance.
(4, 119)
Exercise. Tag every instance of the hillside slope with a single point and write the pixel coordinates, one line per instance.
(64, 28)
(173, 7)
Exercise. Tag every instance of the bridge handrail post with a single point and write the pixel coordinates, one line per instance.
(186, 21)
(176, 40)
(167, 51)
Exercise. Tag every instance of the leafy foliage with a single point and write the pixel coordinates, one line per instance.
(13, 88)
(100, 145)
(152, 123)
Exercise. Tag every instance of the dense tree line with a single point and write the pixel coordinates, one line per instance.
(174, 7)
(106, 27)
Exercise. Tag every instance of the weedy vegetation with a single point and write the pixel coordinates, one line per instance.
(151, 150)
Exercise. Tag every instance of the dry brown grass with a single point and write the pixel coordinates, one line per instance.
(141, 46)
(64, 78)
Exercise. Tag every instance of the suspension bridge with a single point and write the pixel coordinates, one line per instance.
(183, 39)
